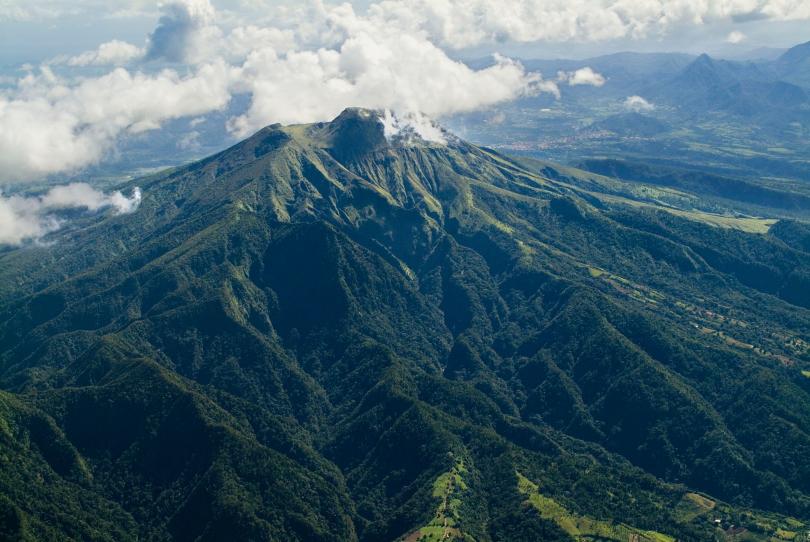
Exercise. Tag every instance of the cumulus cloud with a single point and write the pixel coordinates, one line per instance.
(638, 104)
(183, 32)
(49, 126)
(243, 40)
(377, 69)
(112, 53)
(27, 218)
(582, 76)
(736, 37)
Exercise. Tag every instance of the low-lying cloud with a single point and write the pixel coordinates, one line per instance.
(51, 126)
(30, 218)
(638, 104)
(582, 76)
(736, 37)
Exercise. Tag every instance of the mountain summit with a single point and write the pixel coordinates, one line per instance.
(369, 330)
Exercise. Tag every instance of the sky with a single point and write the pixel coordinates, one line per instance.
(32, 31)
(78, 76)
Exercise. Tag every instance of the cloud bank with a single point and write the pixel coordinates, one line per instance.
(30, 218)
(467, 23)
(50, 126)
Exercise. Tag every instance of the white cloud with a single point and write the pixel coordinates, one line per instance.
(374, 68)
(243, 40)
(184, 32)
(49, 126)
(582, 76)
(467, 23)
(787, 10)
(112, 53)
(736, 37)
(26, 218)
(464, 22)
(638, 104)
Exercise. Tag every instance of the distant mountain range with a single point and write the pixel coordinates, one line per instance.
(746, 89)
(704, 81)
(746, 119)
(325, 333)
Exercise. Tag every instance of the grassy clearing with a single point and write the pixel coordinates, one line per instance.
(739, 525)
(806, 374)
(583, 528)
(444, 527)
(693, 506)
(744, 224)
(596, 273)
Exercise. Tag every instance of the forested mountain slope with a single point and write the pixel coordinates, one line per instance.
(324, 333)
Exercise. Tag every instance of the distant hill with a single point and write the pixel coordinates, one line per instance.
(741, 88)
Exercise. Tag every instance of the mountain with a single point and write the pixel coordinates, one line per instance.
(626, 73)
(794, 65)
(739, 88)
(340, 331)
(795, 55)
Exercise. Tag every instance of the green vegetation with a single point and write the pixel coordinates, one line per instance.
(583, 527)
(320, 335)
(694, 506)
(449, 488)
